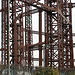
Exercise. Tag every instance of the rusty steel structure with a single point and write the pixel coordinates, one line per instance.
(17, 45)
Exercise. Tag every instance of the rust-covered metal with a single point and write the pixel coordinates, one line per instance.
(57, 44)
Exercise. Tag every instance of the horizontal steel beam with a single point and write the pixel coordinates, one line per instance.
(68, 5)
(73, 34)
(36, 59)
(30, 12)
(1, 10)
(43, 33)
(35, 32)
(1, 49)
(36, 44)
(73, 44)
(30, 46)
(73, 5)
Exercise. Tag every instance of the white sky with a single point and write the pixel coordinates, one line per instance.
(73, 23)
(73, 26)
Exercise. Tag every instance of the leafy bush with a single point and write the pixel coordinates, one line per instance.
(45, 71)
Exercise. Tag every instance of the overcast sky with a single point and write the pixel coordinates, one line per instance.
(73, 23)
(73, 26)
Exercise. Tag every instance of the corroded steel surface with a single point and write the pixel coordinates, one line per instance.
(58, 43)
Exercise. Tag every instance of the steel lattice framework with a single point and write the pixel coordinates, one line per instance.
(17, 39)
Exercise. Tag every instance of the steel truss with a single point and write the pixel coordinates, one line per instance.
(58, 44)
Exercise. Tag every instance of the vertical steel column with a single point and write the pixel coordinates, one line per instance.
(15, 34)
(67, 32)
(62, 53)
(6, 32)
(2, 34)
(60, 36)
(20, 41)
(46, 36)
(40, 37)
(12, 32)
(16, 31)
(28, 36)
(53, 35)
(72, 57)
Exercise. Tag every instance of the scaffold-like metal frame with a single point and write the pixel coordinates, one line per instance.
(58, 43)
